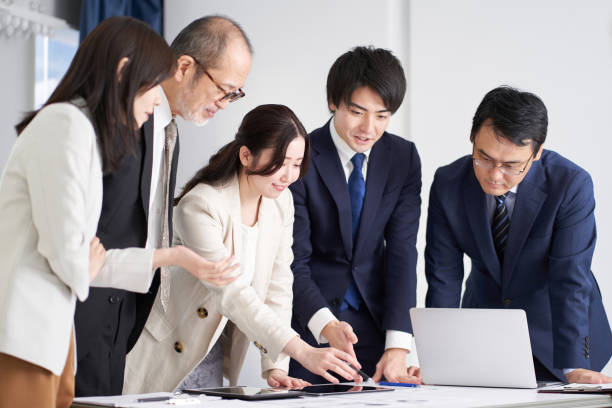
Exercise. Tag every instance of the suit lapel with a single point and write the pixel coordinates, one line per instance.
(529, 200)
(377, 176)
(474, 200)
(327, 163)
(145, 180)
(233, 201)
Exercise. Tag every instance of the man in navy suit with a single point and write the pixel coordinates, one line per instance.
(356, 221)
(525, 217)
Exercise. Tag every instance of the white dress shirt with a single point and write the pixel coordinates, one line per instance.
(393, 338)
(161, 118)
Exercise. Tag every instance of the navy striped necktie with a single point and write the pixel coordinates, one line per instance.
(500, 227)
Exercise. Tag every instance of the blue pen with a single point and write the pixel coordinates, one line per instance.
(394, 384)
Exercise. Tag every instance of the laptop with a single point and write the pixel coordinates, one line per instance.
(474, 347)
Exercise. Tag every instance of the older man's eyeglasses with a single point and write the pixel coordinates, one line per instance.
(513, 169)
(230, 96)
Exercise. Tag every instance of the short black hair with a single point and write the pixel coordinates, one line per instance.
(375, 68)
(515, 115)
(206, 39)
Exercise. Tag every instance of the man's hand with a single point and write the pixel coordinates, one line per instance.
(392, 365)
(583, 376)
(341, 336)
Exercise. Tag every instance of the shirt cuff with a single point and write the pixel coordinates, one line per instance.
(398, 339)
(566, 371)
(318, 321)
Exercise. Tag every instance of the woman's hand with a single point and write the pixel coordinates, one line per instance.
(215, 273)
(96, 257)
(277, 378)
(320, 360)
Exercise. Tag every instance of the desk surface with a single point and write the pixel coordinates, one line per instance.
(424, 396)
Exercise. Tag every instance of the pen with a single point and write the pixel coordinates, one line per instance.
(363, 375)
(153, 399)
(394, 384)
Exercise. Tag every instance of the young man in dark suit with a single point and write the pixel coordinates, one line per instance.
(356, 221)
(213, 61)
(525, 217)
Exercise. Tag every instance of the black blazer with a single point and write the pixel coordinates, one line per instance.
(109, 322)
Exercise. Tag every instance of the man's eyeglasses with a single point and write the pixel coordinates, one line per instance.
(509, 169)
(230, 96)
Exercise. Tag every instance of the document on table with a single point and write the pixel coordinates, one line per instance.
(157, 400)
(575, 388)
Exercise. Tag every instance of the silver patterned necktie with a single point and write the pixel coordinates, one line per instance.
(170, 141)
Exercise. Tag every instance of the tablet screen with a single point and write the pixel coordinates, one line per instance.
(326, 389)
(246, 393)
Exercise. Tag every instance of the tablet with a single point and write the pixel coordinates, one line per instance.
(245, 393)
(331, 389)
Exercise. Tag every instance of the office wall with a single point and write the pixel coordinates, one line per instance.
(560, 50)
(295, 43)
(454, 52)
(17, 84)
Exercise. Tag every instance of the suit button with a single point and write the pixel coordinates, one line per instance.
(114, 299)
(507, 301)
(178, 347)
(202, 313)
(335, 302)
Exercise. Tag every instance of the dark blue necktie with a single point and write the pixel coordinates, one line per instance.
(356, 187)
(500, 227)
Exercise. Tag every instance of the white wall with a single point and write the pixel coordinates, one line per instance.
(17, 84)
(453, 52)
(295, 44)
(559, 49)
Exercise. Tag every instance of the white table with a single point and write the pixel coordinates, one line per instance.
(424, 396)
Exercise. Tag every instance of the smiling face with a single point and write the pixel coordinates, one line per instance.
(144, 103)
(271, 186)
(198, 97)
(497, 151)
(363, 121)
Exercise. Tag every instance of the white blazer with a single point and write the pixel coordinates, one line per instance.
(50, 202)
(175, 341)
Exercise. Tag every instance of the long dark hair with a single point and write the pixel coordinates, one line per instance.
(92, 75)
(266, 126)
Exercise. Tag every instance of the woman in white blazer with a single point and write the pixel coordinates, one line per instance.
(237, 205)
(50, 202)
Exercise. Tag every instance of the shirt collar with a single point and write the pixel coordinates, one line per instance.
(162, 113)
(344, 150)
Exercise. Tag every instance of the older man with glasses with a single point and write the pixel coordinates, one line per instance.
(525, 218)
(213, 61)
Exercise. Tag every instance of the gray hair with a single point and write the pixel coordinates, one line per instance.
(206, 39)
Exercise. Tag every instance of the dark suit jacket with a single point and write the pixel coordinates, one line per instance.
(547, 260)
(109, 322)
(383, 258)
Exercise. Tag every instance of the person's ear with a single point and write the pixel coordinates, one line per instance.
(245, 157)
(539, 153)
(332, 106)
(122, 62)
(184, 63)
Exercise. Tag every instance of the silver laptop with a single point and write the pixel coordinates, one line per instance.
(473, 347)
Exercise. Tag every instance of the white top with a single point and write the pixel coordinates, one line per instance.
(161, 118)
(50, 203)
(249, 251)
(393, 338)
